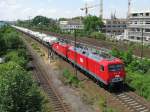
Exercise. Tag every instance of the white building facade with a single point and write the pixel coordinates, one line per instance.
(70, 25)
(138, 22)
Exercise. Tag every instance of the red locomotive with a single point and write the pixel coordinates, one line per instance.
(105, 68)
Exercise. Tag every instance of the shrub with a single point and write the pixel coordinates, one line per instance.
(18, 92)
(98, 35)
(71, 79)
(16, 57)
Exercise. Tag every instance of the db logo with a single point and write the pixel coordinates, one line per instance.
(81, 60)
(117, 76)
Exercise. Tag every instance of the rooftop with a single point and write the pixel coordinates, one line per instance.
(97, 55)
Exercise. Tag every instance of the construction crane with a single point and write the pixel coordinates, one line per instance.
(129, 8)
(101, 9)
(86, 8)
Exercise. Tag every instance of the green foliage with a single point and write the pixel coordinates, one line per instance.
(92, 23)
(18, 57)
(140, 82)
(98, 35)
(71, 79)
(18, 93)
(2, 44)
(141, 66)
(9, 39)
(127, 57)
(12, 40)
(40, 20)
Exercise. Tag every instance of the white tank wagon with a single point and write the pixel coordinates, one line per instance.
(50, 40)
(44, 38)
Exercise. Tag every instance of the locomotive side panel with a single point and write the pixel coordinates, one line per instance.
(95, 69)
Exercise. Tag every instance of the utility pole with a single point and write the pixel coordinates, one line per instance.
(128, 16)
(129, 9)
(29, 21)
(142, 43)
(75, 45)
(101, 9)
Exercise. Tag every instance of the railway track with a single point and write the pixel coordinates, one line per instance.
(41, 76)
(129, 101)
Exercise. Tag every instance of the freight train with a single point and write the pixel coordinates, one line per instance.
(103, 67)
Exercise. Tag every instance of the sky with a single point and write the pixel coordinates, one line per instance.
(11, 10)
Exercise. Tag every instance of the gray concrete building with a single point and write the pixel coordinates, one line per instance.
(138, 22)
(115, 26)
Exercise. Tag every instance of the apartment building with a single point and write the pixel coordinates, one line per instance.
(138, 28)
(115, 26)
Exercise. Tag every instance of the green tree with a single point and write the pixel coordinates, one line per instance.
(12, 40)
(40, 20)
(18, 93)
(17, 57)
(92, 23)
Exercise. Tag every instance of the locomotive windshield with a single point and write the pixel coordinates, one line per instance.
(114, 68)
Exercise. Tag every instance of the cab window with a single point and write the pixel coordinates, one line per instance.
(101, 68)
(114, 68)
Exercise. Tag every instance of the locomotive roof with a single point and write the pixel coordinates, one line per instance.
(97, 55)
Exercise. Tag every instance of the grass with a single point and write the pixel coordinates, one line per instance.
(70, 78)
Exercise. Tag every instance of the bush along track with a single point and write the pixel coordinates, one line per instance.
(18, 92)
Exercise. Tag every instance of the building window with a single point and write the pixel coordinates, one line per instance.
(147, 22)
(138, 38)
(138, 29)
(135, 14)
(147, 30)
(131, 37)
(135, 22)
(147, 14)
(141, 14)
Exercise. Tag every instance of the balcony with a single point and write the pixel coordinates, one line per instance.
(139, 26)
(139, 17)
(138, 34)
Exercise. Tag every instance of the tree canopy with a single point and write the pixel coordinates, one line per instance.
(40, 20)
(92, 23)
(18, 93)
